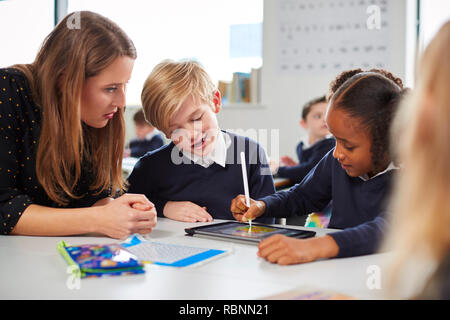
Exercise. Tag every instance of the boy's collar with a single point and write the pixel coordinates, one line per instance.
(218, 154)
(305, 141)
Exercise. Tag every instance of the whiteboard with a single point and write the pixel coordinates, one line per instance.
(329, 36)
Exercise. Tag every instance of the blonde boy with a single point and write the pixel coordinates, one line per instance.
(195, 177)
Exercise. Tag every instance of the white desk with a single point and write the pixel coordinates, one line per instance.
(31, 268)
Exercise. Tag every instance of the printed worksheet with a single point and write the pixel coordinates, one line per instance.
(169, 254)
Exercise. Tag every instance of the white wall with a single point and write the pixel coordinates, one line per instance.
(283, 95)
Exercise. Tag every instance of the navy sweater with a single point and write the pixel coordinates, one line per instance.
(162, 180)
(308, 158)
(359, 207)
(140, 147)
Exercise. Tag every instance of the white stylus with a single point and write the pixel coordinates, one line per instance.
(245, 180)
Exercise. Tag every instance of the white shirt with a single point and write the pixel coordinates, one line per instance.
(390, 167)
(150, 135)
(218, 154)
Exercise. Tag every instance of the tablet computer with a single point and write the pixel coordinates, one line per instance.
(243, 232)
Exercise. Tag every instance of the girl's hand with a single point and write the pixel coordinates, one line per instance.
(186, 211)
(285, 250)
(243, 213)
(128, 214)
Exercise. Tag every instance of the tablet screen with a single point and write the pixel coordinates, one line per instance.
(256, 232)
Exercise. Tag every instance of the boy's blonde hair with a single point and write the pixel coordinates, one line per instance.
(169, 85)
(421, 202)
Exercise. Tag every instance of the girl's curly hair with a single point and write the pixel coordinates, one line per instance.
(373, 97)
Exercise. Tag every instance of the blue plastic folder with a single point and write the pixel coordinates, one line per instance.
(166, 254)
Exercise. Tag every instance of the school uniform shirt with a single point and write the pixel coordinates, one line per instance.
(152, 141)
(167, 174)
(20, 126)
(359, 205)
(218, 154)
(308, 156)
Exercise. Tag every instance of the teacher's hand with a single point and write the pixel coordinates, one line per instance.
(126, 215)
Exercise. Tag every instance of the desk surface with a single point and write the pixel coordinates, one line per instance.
(31, 268)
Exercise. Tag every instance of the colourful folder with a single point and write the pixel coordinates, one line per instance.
(98, 260)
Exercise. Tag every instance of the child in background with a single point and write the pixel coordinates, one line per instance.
(420, 235)
(147, 137)
(195, 177)
(312, 147)
(310, 150)
(356, 175)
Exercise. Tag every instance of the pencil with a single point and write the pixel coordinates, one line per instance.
(245, 180)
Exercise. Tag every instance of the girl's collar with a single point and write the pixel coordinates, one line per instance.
(390, 167)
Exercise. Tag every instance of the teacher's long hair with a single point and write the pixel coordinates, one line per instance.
(81, 46)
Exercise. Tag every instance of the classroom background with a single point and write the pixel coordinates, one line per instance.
(267, 56)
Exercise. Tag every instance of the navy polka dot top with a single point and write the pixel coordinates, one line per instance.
(20, 124)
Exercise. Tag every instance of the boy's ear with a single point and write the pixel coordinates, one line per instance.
(303, 124)
(217, 100)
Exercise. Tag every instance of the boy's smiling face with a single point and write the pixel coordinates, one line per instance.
(353, 143)
(194, 126)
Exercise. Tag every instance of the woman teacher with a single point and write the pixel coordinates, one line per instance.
(62, 134)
